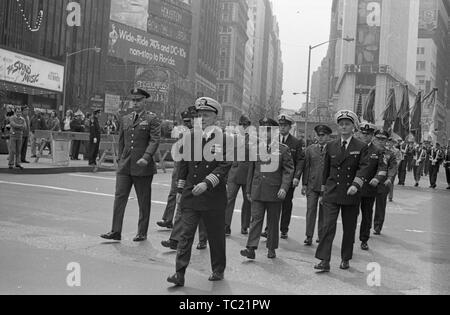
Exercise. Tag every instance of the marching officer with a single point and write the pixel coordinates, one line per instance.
(94, 138)
(167, 219)
(377, 173)
(298, 156)
(420, 155)
(203, 192)
(385, 186)
(345, 171)
(140, 133)
(312, 181)
(436, 158)
(237, 180)
(447, 166)
(404, 147)
(267, 189)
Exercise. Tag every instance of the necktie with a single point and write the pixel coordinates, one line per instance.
(136, 117)
(321, 149)
(344, 146)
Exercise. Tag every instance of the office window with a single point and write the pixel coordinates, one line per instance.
(421, 65)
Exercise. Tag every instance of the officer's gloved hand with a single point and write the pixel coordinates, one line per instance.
(142, 163)
(388, 183)
(200, 189)
(352, 191)
(282, 194)
(374, 182)
(249, 197)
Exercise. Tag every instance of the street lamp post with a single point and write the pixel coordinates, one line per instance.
(66, 71)
(311, 48)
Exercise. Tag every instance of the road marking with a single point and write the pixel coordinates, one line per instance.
(416, 231)
(110, 179)
(73, 191)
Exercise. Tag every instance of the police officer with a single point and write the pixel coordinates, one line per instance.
(140, 133)
(345, 172)
(94, 138)
(268, 183)
(385, 186)
(167, 219)
(202, 184)
(237, 180)
(312, 181)
(377, 173)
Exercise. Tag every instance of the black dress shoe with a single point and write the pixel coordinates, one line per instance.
(364, 246)
(264, 235)
(19, 167)
(165, 224)
(345, 265)
(272, 254)
(323, 266)
(11, 167)
(177, 279)
(308, 241)
(202, 246)
(416, 185)
(244, 231)
(284, 236)
(216, 276)
(25, 162)
(448, 188)
(112, 236)
(140, 238)
(170, 244)
(248, 253)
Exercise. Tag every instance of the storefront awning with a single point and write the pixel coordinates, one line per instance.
(23, 89)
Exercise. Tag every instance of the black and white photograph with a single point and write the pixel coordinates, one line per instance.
(225, 155)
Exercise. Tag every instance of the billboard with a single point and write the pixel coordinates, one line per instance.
(32, 72)
(428, 17)
(171, 13)
(133, 13)
(368, 44)
(134, 45)
(156, 82)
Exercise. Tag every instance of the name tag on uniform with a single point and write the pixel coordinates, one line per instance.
(144, 123)
(355, 153)
(374, 156)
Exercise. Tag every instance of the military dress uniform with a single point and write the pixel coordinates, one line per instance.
(346, 165)
(140, 135)
(312, 180)
(263, 188)
(209, 206)
(447, 166)
(94, 139)
(383, 190)
(436, 158)
(298, 155)
(402, 168)
(377, 170)
(237, 180)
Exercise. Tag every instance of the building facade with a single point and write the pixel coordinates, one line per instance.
(232, 52)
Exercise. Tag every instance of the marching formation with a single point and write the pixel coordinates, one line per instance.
(351, 174)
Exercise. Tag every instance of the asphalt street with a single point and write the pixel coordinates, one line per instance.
(50, 221)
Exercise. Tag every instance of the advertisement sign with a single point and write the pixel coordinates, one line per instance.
(133, 13)
(137, 46)
(368, 44)
(112, 103)
(97, 102)
(29, 71)
(156, 82)
(428, 17)
(171, 13)
(162, 27)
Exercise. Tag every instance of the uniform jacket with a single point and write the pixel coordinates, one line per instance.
(313, 170)
(263, 186)
(76, 125)
(138, 140)
(17, 127)
(214, 173)
(391, 161)
(298, 155)
(447, 158)
(344, 169)
(239, 170)
(378, 169)
(436, 155)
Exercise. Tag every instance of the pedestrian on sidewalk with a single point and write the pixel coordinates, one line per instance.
(77, 125)
(17, 123)
(94, 138)
(37, 123)
(26, 135)
(447, 165)
(6, 127)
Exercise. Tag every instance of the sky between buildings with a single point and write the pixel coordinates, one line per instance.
(302, 23)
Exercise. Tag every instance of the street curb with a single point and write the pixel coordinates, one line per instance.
(55, 170)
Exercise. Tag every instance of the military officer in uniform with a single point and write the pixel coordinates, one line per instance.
(267, 189)
(140, 133)
(345, 172)
(436, 158)
(376, 174)
(312, 181)
(202, 184)
(447, 166)
(385, 186)
(237, 180)
(168, 216)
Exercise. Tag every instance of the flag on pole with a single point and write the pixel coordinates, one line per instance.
(369, 112)
(416, 120)
(359, 108)
(402, 126)
(390, 114)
